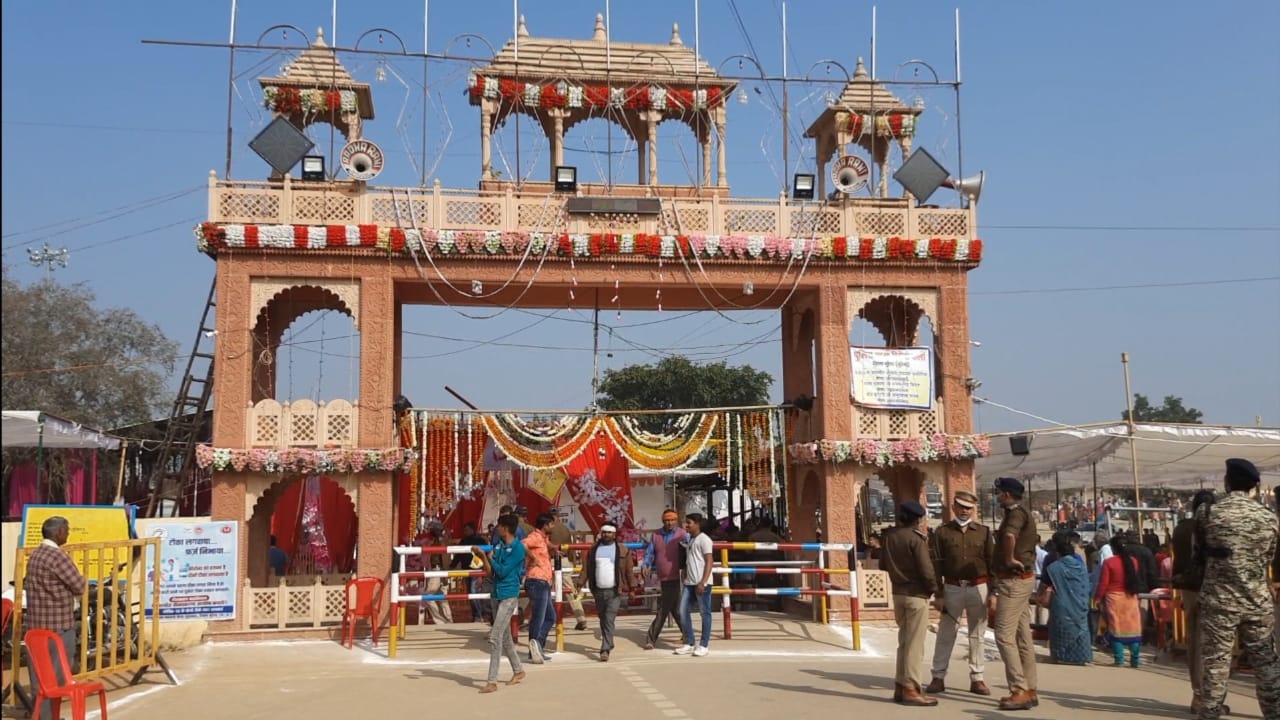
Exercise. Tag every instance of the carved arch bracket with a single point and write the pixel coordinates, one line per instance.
(263, 291)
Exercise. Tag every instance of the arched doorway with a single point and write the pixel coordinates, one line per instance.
(314, 522)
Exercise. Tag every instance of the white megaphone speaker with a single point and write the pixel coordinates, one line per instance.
(970, 187)
(850, 174)
(921, 174)
(362, 159)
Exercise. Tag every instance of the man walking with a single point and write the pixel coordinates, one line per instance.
(1188, 575)
(695, 579)
(906, 560)
(52, 585)
(505, 563)
(537, 585)
(559, 536)
(1010, 596)
(662, 556)
(608, 569)
(1236, 603)
(962, 551)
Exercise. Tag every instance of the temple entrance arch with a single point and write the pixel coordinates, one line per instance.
(351, 247)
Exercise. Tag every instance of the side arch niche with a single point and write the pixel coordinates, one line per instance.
(278, 305)
(895, 316)
(275, 506)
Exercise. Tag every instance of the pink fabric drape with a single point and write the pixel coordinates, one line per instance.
(22, 489)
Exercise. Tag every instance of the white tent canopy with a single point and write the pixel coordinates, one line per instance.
(1167, 454)
(32, 428)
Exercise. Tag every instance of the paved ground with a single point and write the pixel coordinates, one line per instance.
(775, 665)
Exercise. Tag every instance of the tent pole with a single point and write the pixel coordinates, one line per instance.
(1057, 493)
(1133, 443)
(124, 452)
(1095, 497)
(39, 457)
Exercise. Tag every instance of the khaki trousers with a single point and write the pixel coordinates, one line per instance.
(1013, 632)
(970, 602)
(1191, 613)
(912, 614)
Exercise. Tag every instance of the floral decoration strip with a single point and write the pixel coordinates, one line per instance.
(593, 97)
(290, 100)
(306, 461)
(888, 453)
(212, 237)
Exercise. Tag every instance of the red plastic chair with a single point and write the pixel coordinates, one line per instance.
(40, 646)
(365, 604)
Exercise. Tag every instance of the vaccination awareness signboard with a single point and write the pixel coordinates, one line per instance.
(198, 570)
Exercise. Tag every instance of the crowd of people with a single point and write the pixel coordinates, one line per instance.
(1219, 559)
(680, 558)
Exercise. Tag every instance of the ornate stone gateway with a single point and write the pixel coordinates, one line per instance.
(285, 247)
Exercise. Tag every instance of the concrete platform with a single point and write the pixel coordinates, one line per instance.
(774, 666)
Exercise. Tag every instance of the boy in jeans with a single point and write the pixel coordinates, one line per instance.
(696, 581)
(505, 564)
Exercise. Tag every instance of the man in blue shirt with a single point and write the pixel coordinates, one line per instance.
(662, 557)
(505, 564)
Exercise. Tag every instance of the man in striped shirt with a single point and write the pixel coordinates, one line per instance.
(52, 586)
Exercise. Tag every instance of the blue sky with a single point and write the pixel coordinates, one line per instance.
(1085, 116)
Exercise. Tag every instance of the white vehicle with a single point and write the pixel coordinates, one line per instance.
(1118, 518)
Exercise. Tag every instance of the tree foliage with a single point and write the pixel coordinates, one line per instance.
(104, 367)
(1172, 411)
(676, 383)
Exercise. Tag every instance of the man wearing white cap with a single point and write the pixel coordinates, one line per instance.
(608, 569)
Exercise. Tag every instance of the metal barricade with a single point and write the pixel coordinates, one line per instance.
(114, 634)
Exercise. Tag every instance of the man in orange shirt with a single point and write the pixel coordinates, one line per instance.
(537, 585)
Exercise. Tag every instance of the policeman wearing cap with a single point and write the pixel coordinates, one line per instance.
(962, 551)
(905, 558)
(1238, 537)
(1010, 596)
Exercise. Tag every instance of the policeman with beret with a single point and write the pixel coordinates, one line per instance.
(1238, 536)
(905, 557)
(1010, 595)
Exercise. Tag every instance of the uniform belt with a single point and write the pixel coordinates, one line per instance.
(968, 583)
(1023, 576)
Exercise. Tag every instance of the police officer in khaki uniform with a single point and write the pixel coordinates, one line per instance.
(962, 551)
(1010, 595)
(905, 557)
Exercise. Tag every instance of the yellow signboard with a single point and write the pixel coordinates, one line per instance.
(547, 483)
(89, 524)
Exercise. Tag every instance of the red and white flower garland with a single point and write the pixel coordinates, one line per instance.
(594, 97)
(212, 237)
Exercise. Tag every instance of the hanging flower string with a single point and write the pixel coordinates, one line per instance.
(888, 453)
(593, 97)
(305, 461)
(212, 237)
(290, 100)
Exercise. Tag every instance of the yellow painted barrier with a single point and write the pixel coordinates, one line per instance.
(115, 634)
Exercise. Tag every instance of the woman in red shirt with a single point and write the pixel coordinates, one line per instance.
(1117, 594)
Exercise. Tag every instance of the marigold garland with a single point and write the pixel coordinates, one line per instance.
(545, 458)
(672, 458)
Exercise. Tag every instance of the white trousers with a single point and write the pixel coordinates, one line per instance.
(972, 602)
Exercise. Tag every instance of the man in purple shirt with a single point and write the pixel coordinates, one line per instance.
(662, 555)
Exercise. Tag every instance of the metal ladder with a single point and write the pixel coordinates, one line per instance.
(175, 460)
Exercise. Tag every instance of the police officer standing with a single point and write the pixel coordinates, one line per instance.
(1010, 596)
(1188, 575)
(962, 550)
(1238, 536)
(906, 559)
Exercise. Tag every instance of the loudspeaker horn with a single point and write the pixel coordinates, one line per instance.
(970, 187)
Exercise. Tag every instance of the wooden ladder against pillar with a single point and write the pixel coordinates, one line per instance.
(174, 469)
